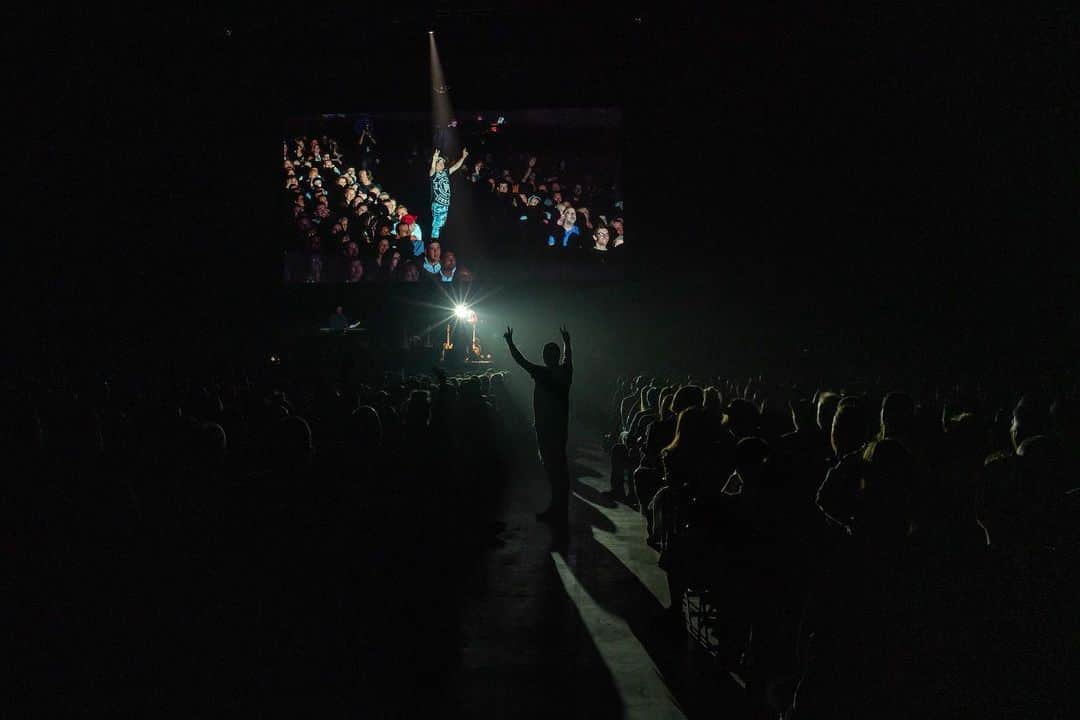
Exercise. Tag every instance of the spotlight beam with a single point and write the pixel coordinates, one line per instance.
(440, 98)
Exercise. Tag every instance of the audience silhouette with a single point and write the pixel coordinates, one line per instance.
(848, 566)
(863, 552)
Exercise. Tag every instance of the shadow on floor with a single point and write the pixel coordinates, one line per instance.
(579, 470)
(596, 497)
(526, 652)
(696, 682)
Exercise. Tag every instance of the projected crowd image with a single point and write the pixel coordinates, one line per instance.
(390, 198)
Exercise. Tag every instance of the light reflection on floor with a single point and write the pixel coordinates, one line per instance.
(637, 680)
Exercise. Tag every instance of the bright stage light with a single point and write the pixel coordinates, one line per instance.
(461, 311)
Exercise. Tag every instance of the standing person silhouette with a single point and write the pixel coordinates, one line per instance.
(551, 408)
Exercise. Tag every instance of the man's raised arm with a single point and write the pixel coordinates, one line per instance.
(567, 357)
(516, 354)
(456, 166)
(434, 159)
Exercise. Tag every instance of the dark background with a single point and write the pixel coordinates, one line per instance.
(874, 184)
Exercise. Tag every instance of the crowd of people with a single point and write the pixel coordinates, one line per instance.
(864, 552)
(183, 543)
(344, 225)
(854, 552)
(551, 209)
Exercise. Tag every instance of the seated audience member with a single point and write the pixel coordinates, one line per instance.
(355, 270)
(585, 221)
(393, 262)
(647, 478)
(432, 257)
(448, 267)
(601, 238)
(827, 403)
(1022, 485)
(400, 211)
(338, 321)
(382, 230)
(743, 418)
(841, 492)
(799, 452)
(415, 230)
(406, 241)
(687, 466)
(566, 233)
(379, 263)
(884, 512)
(410, 272)
(898, 419)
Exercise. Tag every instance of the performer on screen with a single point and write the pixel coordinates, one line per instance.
(440, 189)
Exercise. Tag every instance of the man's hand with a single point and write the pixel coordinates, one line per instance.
(509, 334)
(532, 162)
(565, 334)
(435, 155)
(464, 153)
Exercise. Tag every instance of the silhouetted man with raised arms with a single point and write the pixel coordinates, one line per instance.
(551, 407)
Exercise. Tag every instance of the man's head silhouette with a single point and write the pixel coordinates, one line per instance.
(551, 354)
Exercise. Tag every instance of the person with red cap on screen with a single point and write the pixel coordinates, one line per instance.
(417, 233)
